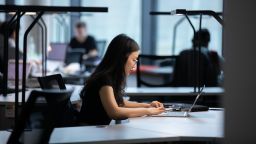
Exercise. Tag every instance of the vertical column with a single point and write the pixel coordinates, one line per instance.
(148, 27)
(9, 2)
(74, 18)
(240, 79)
(35, 37)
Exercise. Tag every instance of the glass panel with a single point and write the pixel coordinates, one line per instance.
(123, 17)
(184, 32)
(2, 15)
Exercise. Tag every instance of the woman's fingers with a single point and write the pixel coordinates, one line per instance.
(157, 104)
(159, 110)
(154, 111)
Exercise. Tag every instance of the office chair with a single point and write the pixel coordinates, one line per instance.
(152, 60)
(56, 82)
(55, 101)
(52, 82)
(184, 70)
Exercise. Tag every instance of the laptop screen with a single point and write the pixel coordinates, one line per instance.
(58, 52)
(11, 70)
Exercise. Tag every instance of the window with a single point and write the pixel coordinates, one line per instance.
(59, 24)
(56, 27)
(2, 15)
(184, 32)
(122, 17)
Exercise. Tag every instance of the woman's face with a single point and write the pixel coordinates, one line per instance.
(131, 62)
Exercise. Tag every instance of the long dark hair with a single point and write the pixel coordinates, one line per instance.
(113, 65)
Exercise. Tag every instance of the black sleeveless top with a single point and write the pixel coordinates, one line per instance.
(92, 111)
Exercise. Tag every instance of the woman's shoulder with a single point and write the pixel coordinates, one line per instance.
(100, 81)
(94, 84)
(105, 80)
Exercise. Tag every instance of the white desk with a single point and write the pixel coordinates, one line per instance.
(171, 91)
(110, 134)
(202, 126)
(4, 135)
(92, 134)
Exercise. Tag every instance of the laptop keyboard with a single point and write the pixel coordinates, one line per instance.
(184, 107)
(178, 106)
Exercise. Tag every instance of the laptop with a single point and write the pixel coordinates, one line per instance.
(56, 56)
(170, 113)
(11, 73)
(57, 52)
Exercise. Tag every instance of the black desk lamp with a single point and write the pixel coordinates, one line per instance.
(19, 12)
(191, 12)
(175, 28)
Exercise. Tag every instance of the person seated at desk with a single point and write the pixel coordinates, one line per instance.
(210, 63)
(205, 38)
(102, 95)
(83, 40)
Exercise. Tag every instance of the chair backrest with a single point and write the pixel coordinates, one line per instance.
(101, 47)
(185, 70)
(56, 82)
(74, 55)
(161, 61)
(55, 100)
(52, 82)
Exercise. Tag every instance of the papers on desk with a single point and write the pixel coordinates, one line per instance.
(53, 65)
(56, 67)
(71, 68)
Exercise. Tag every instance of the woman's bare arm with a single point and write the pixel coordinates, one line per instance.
(114, 111)
(130, 104)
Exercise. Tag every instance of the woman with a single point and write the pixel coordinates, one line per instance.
(103, 93)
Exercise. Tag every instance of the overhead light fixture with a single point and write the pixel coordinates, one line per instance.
(27, 13)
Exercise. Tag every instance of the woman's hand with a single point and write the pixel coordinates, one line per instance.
(156, 104)
(155, 111)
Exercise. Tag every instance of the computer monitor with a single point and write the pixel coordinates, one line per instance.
(11, 70)
(58, 52)
(101, 47)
